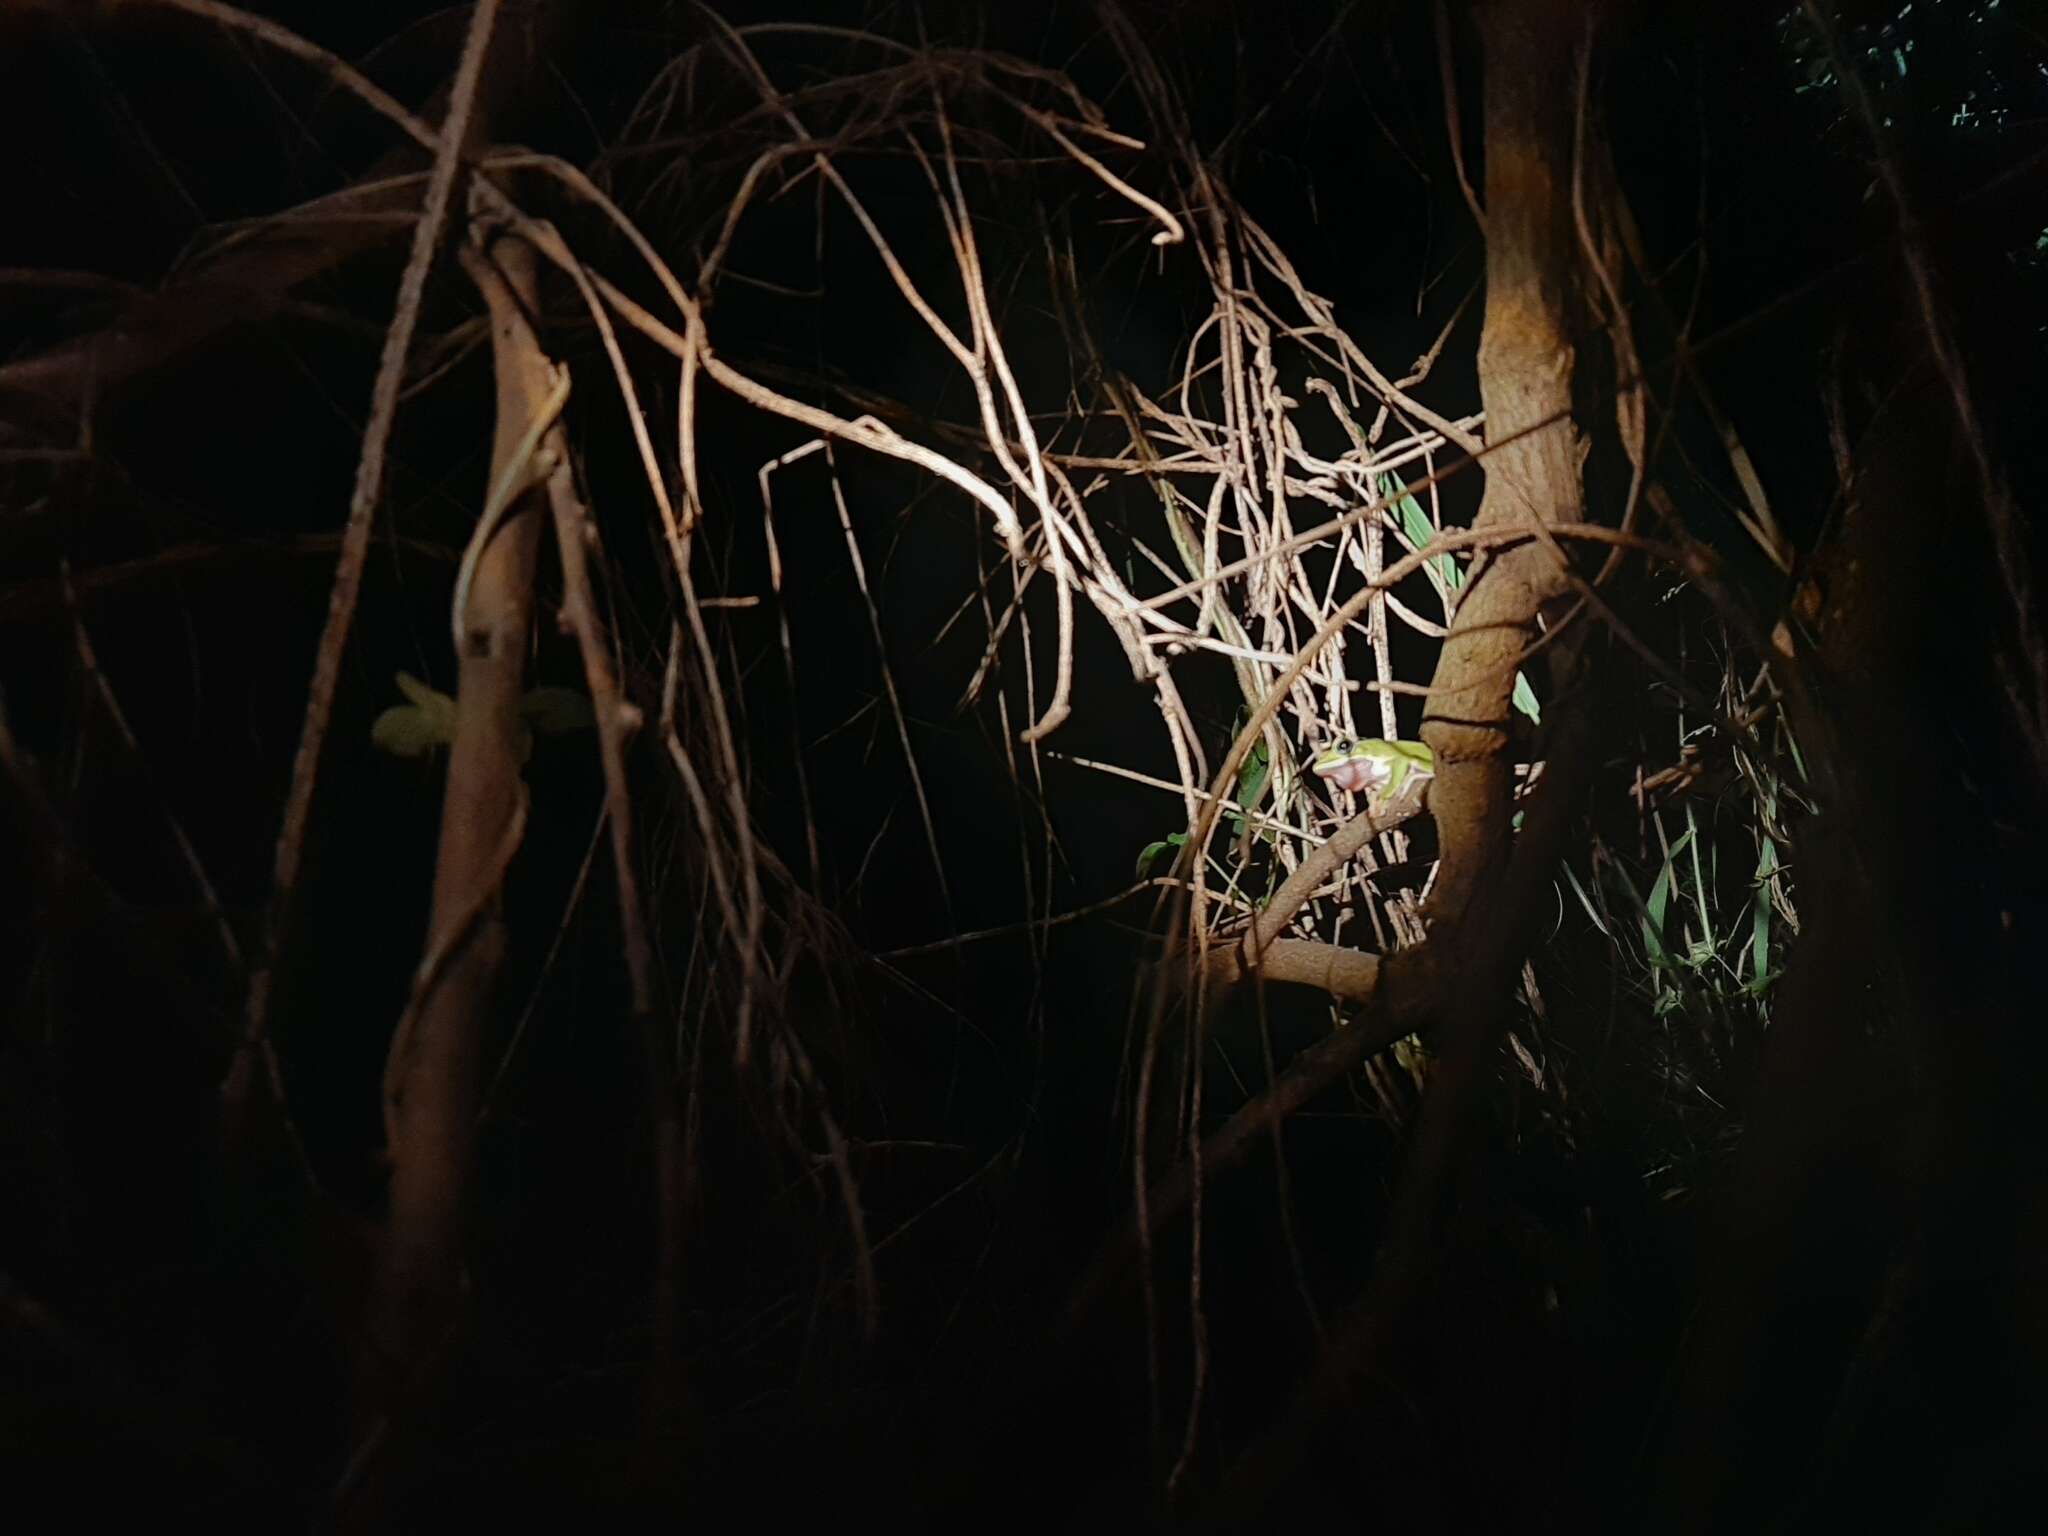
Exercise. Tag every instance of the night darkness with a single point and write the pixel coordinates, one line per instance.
(1682, 1166)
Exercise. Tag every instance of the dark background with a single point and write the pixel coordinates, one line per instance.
(171, 1342)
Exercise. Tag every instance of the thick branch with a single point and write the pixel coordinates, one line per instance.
(433, 1075)
(1532, 466)
(1262, 951)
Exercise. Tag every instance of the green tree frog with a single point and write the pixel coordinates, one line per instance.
(1380, 770)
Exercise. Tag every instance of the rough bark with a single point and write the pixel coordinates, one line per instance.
(1534, 451)
(1533, 466)
(1484, 901)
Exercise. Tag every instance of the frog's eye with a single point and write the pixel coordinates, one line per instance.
(1343, 746)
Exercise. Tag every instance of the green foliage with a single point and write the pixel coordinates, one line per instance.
(1149, 854)
(556, 711)
(1686, 945)
(416, 728)
(1446, 572)
(1253, 779)
(1697, 925)
(426, 721)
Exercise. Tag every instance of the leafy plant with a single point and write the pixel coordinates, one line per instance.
(1149, 854)
(1446, 571)
(427, 721)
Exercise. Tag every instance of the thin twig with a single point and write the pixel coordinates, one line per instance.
(368, 490)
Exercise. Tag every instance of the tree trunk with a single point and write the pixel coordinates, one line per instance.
(416, 1294)
(1534, 451)
(1483, 902)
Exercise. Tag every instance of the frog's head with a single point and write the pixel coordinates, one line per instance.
(1353, 765)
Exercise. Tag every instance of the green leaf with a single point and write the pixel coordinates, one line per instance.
(415, 729)
(1251, 778)
(1798, 758)
(1702, 892)
(438, 706)
(428, 721)
(1420, 530)
(421, 694)
(1585, 900)
(1760, 926)
(1525, 699)
(1151, 851)
(552, 711)
(1760, 946)
(1653, 915)
(405, 730)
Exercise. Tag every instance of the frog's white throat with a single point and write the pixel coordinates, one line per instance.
(1360, 775)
